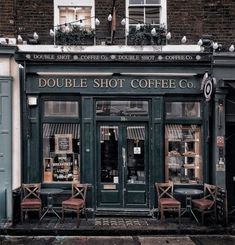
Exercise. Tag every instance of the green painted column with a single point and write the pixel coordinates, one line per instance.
(88, 170)
(5, 148)
(218, 140)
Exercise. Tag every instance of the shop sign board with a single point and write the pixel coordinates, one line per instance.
(113, 57)
(113, 84)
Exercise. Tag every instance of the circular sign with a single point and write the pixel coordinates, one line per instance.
(208, 88)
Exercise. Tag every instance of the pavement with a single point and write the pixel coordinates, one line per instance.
(115, 226)
(118, 240)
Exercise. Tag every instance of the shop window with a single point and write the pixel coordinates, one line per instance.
(183, 162)
(122, 108)
(61, 152)
(183, 109)
(61, 108)
(146, 12)
(109, 153)
(77, 12)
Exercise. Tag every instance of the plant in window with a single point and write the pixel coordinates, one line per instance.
(145, 36)
(75, 35)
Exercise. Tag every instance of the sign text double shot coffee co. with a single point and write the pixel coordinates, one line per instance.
(99, 83)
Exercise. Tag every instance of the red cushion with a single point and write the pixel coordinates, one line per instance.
(73, 203)
(202, 203)
(32, 202)
(169, 201)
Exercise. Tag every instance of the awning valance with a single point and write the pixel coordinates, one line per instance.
(50, 129)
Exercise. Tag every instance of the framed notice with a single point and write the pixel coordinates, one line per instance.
(63, 143)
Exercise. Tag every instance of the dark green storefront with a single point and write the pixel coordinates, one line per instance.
(112, 117)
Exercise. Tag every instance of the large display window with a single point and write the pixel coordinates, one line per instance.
(61, 155)
(61, 142)
(183, 160)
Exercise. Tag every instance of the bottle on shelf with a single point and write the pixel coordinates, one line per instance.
(75, 171)
(47, 171)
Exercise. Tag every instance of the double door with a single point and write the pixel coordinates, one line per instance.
(123, 169)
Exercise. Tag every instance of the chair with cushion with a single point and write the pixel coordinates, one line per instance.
(207, 204)
(31, 200)
(166, 201)
(77, 202)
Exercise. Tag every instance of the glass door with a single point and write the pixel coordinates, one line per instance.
(122, 172)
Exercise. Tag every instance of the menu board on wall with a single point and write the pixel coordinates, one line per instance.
(63, 143)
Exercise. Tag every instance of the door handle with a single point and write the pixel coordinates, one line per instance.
(124, 156)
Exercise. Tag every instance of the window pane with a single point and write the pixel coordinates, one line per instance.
(122, 108)
(136, 14)
(183, 154)
(183, 109)
(61, 109)
(109, 153)
(136, 1)
(144, 2)
(152, 15)
(153, 1)
(61, 152)
(73, 14)
(135, 154)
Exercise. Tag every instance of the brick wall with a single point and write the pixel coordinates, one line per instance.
(103, 9)
(7, 21)
(195, 18)
(192, 18)
(35, 16)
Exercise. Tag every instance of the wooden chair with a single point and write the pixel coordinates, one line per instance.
(166, 201)
(31, 200)
(207, 204)
(77, 202)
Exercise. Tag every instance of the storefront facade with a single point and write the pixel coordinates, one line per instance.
(120, 121)
(224, 72)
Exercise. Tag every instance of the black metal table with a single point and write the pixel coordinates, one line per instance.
(50, 192)
(188, 193)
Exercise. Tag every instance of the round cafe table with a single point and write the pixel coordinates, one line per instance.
(50, 192)
(189, 193)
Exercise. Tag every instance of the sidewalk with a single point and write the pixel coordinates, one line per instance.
(114, 226)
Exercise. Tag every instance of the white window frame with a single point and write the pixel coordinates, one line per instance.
(73, 3)
(163, 12)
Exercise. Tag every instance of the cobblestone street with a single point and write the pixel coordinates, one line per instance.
(114, 240)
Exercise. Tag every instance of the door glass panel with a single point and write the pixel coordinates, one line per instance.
(135, 155)
(109, 154)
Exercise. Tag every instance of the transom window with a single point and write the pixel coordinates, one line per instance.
(61, 109)
(187, 109)
(121, 108)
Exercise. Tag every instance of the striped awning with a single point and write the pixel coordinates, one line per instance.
(136, 132)
(108, 133)
(133, 132)
(176, 132)
(50, 129)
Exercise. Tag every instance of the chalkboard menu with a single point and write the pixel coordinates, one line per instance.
(63, 143)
